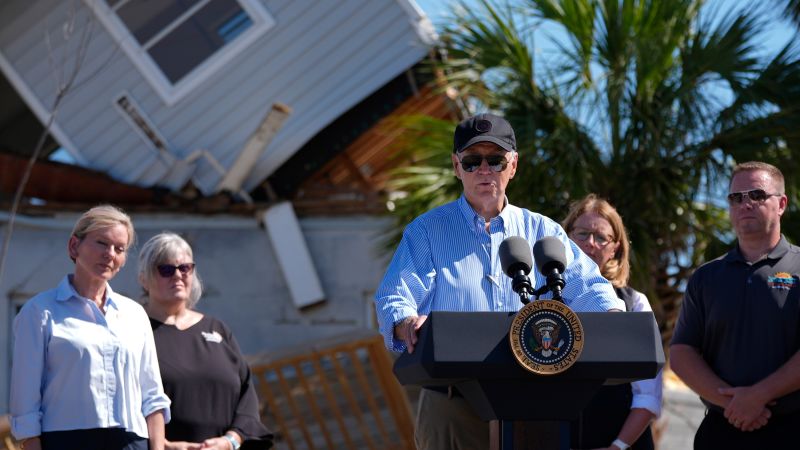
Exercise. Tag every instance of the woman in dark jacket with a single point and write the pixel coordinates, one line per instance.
(214, 403)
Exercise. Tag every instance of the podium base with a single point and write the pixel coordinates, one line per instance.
(528, 435)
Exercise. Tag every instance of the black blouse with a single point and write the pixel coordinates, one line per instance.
(208, 381)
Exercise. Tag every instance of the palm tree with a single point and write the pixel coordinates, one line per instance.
(792, 10)
(649, 104)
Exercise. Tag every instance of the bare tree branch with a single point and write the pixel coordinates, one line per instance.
(63, 86)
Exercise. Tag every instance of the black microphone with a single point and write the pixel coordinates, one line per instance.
(551, 260)
(515, 259)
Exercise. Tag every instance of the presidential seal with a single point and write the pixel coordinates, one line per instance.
(546, 337)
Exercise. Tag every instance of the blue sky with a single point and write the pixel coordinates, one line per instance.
(776, 36)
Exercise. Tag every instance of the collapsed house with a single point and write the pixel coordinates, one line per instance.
(260, 130)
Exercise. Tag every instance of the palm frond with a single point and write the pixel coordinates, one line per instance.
(792, 10)
(648, 104)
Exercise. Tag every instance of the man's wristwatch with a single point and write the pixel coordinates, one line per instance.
(619, 443)
(234, 443)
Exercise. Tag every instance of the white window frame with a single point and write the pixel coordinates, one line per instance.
(172, 93)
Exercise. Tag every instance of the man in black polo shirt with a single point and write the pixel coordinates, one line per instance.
(737, 338)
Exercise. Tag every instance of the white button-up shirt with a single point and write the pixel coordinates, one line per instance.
(76, 368)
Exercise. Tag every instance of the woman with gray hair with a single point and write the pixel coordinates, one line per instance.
(214, 403)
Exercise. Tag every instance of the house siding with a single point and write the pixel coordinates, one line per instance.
(320, 58)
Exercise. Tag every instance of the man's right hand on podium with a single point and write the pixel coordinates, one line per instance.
(406, 330)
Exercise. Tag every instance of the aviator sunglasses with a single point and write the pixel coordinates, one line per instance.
(755, 195)
(497, 163)
(168, 270)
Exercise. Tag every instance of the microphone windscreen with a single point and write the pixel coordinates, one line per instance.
(515, 255)
(549, 253)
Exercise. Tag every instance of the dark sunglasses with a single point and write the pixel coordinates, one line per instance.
(497, 163)
(755, 195)
(168, 270)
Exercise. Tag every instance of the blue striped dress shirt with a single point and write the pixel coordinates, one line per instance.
(446, 261)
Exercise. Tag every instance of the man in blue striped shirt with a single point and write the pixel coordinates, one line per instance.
(448, 260)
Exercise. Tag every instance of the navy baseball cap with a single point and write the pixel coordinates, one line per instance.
(484, 128)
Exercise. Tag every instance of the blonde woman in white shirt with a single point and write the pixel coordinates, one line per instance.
(85, 373)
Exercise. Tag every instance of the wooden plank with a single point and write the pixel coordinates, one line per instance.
(367, 390)
(334, 405)
(346, 389)
(64, 183)
(340, 184)
(355, 172)
(351, 400)
(254, 147)
(275, 410)
(298, 417)
(399, 405)
(313, 404)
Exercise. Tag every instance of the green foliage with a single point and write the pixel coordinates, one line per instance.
(792, 10)
(429, 181)
(649, 104)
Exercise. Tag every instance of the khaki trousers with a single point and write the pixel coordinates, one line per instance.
(448, 423)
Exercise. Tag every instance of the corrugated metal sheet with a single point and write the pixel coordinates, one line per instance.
(320, 58)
